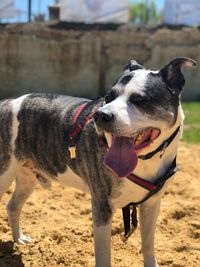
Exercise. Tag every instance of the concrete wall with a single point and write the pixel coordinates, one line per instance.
(85, 62)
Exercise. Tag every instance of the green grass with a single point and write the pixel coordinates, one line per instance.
(191, 133)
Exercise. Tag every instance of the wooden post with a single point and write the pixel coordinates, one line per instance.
(29, 11)
(147, 11)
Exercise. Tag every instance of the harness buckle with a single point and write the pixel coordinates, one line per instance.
(163, 149)
(72, 151)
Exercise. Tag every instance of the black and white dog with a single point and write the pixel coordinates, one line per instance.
(50, 137)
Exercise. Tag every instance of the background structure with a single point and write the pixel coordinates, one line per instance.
(84, 60)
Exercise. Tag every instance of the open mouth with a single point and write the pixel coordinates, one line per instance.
(121, 157)
(145, 138)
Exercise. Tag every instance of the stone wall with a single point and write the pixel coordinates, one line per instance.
(86, 61)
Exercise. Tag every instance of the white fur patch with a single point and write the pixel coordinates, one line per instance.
(137, 83)
(16, 104)
(69, 178)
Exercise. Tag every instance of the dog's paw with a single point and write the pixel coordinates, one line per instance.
(22, 240)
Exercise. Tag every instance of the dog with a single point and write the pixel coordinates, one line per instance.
(115, 148)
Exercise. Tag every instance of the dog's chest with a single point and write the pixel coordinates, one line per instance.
(128, 192)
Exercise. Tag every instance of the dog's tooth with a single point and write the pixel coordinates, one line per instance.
(142, 134)
(138, 139)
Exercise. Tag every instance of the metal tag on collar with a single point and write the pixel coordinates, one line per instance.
(72, 151)
(163, 149)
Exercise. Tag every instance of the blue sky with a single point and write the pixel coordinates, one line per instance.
(41, 6)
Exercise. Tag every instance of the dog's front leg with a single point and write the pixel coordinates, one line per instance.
(102, 240)
(102, 221)
(149, 211)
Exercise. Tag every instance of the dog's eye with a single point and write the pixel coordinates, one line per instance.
(110, 97)
(136, 99)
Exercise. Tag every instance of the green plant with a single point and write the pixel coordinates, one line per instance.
(191, 131)
(143, 13)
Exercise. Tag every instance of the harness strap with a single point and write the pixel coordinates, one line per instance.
(162, 147)
(129, 228)
(126, 220)
(141, 182)
(76, 131)
(83, 113)
(77, 113)
(131, 224)
(159, 182)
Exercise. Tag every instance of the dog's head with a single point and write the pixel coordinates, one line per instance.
(142, 104)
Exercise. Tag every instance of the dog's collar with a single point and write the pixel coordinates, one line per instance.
(78, 122)
(77, 129)
(162, 147)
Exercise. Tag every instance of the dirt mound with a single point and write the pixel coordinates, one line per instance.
(59, 221)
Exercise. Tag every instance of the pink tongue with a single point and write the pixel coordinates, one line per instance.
(121, 158)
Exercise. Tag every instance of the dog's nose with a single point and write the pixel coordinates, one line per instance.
(103, 116)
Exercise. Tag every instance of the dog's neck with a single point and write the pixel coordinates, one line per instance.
(155, 167)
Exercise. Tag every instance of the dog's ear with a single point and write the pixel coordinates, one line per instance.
(172, 75)
(132, 65)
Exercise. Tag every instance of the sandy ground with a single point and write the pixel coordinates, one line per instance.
(59, 221)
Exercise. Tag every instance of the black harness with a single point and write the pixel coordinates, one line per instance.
(129, 218)
(153, 188)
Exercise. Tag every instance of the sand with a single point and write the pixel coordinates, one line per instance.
(59, 222)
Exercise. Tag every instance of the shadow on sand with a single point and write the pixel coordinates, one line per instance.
(9, 257)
